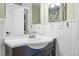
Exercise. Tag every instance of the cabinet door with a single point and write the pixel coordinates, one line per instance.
(18, 21)
(14, 19)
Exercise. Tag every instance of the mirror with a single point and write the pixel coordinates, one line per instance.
(25, 21)
(57, 12)
(35, 13)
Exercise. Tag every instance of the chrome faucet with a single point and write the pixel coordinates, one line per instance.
(32, 34)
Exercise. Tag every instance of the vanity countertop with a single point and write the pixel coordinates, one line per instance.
(22, 41)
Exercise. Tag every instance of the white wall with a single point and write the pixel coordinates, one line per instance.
(78, 26)
(2, 46)
(39, 28)
(2, 19)
(67, 39)
(71, 12)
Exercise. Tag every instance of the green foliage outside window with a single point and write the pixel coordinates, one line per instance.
(55, 11)
(54, 14)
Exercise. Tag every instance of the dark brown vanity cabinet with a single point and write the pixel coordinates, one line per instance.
(49, 50)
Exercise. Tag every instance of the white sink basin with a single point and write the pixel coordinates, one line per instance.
(35, 43)
(39, 42)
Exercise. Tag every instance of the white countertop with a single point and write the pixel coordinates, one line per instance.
(16, 42)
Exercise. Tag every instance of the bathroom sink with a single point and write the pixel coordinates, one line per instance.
(39, 42)
(36, 43)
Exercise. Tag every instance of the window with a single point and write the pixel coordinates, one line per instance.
(57, 12)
